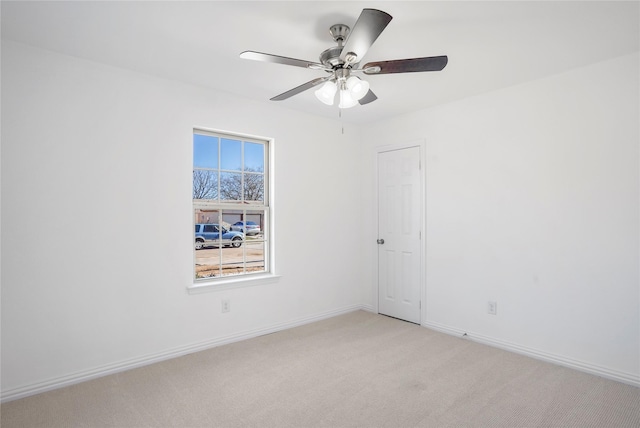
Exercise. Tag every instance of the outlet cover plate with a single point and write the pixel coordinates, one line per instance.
(492, 308)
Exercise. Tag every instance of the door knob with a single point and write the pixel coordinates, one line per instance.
(380, 241)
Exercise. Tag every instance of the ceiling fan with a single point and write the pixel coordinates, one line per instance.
(342, 62)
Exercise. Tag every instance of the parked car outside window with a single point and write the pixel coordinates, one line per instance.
(251, 228)
(208, 235)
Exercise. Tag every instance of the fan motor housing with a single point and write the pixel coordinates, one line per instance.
(331, 57)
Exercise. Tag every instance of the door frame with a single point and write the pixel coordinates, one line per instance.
(421, 144)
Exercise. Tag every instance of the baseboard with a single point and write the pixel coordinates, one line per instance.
(85, 375)
(369, 308)
(627, 378)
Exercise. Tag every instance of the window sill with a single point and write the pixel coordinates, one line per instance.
(226, 284)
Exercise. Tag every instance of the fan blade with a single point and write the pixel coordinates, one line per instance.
(369, 98)
(301, 88)
(366, 30)
(259, 56)
(432, 63)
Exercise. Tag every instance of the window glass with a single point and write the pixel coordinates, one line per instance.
(205, 151)
(254, 157)
(253, 187)
(230, 186)
(205, 184)
(231, 154)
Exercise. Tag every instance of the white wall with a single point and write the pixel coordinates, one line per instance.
(532, 200)
(97, 235)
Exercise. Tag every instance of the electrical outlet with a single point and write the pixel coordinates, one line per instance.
(226, 305)
(492, 308)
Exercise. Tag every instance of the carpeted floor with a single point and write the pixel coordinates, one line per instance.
(354, 370)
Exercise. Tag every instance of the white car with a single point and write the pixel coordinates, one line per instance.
(250, 228)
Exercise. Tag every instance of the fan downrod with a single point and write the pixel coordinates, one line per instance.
(331, 56)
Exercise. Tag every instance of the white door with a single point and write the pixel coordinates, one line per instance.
(399, 234)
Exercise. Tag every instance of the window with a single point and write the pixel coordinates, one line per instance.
(230, 206)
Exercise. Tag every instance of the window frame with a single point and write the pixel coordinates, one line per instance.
(267, 206)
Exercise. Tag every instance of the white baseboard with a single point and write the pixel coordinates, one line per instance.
(627, 378)
(85, 375)
(369, 308)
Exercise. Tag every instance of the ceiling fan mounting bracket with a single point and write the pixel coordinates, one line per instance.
(339, 32)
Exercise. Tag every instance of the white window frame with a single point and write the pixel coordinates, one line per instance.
(246, 279)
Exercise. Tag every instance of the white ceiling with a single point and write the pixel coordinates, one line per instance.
(490, 45)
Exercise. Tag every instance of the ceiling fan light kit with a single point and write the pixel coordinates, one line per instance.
(327, 93)
(352, 90)
(346, 99)
(344, 59)
(357, 87)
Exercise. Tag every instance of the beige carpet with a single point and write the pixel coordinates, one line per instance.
(355, 370)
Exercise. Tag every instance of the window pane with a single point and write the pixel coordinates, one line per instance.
(230, 218)
(249, 222)
(254, 187)
(207, 241)
(255, 240)
(232, 261)
(207, 263)
(253, 157)
(230, 186)
(255, 252)
(204, 216)
(231, 154)
(205, 184)
(205, 151)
